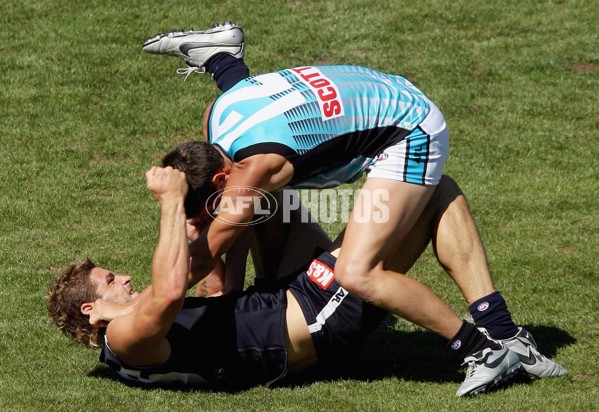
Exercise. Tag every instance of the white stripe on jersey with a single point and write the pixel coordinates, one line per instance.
(231, 127)
(328, 310)
(169, 377)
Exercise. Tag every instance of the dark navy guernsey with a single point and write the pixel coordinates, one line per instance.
(224, 342)
(238, 341)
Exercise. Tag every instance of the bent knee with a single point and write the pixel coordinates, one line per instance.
(354, 276)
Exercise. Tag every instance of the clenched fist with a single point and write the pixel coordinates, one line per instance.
(166, 182)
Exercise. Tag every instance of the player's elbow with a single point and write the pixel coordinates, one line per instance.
(168, 301)
(171, 293)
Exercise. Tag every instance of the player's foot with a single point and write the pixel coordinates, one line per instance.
(488, 368)
(535, 364)
(196, 47)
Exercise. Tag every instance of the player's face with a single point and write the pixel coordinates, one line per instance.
(204, 216)
(112, 288)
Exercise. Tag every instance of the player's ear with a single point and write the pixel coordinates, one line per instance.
(86, 308)
(220, 179)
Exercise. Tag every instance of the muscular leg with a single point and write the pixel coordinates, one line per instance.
(459, 249)
(363, 268)
(285, 243)
(368, 244)
(458, 245)
(447, 221)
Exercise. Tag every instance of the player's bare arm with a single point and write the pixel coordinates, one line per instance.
(103, 311)
(139, 337)
(267, 172)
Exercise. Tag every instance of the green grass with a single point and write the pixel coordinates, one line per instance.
(84, 113)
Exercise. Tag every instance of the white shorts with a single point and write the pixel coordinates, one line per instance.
(420, 157)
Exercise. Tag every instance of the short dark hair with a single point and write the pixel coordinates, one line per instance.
(199, 161)
(67, 293)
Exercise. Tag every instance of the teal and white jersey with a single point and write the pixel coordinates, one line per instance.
(331, 122)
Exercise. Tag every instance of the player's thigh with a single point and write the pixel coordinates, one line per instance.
(268, 239)
(425, 229)
(385, 211)
(411, 247)
(287, 240)
(304, 237)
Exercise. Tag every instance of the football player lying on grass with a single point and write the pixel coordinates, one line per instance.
(253, 337)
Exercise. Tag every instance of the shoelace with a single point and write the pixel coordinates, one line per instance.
(190, 69)
(471, 369)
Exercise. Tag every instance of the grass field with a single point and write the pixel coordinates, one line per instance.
(84, 113)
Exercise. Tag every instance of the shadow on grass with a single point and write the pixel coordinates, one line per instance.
(388, 353)
(416, 356)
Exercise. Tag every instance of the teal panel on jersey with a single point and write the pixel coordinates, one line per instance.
(336, 109)
(417, 156)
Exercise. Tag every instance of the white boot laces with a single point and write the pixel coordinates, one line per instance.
(189, 70)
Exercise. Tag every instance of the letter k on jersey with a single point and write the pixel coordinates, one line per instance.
(320, 274)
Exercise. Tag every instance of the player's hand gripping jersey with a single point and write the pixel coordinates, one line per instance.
(330, 122)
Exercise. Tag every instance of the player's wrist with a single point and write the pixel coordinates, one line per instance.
(171, 197)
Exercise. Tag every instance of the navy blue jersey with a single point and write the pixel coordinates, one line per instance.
(238, 341)
(227, 342)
